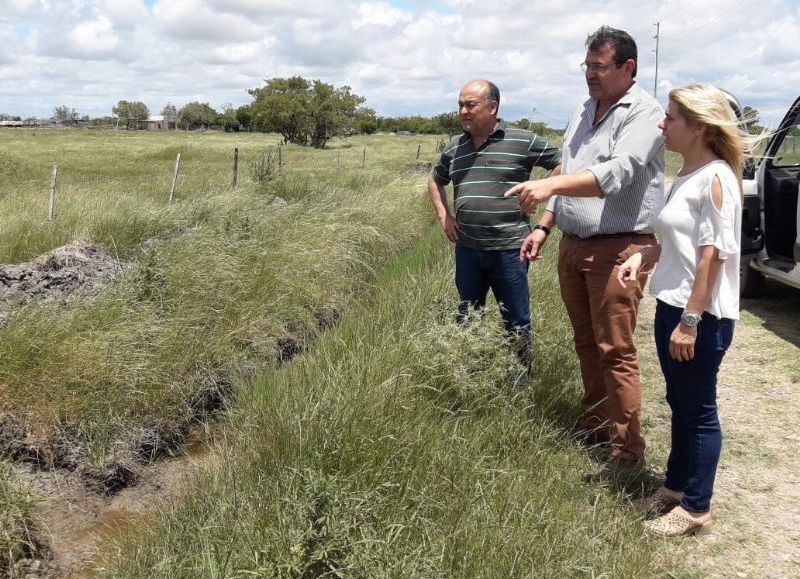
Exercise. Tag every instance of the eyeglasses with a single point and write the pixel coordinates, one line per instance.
(594, 67)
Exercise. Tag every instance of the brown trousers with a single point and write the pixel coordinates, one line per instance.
(603, 316)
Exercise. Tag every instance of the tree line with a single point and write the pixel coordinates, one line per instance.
(302, 111)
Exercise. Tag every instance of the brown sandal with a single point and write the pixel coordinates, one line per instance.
(678, 523)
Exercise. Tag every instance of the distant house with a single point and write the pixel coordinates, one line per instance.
(25, 123)
(158, 123)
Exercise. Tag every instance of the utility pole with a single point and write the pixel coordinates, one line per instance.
(655, 82)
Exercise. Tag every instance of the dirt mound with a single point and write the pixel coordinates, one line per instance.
(80, 268)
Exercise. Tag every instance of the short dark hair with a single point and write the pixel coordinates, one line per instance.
(492, 93)
(624, 45)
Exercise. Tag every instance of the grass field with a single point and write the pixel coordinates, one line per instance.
(397, 448)
(391, 445)
(216, 285)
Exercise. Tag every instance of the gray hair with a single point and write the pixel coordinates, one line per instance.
(493, 93)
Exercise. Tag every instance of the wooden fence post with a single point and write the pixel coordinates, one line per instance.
(235, 168)
(174, 178)
(418, 148)
(364, 158)
(280, 157)
(51, 211)
(338, 158)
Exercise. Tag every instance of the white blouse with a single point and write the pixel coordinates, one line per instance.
(689, 220)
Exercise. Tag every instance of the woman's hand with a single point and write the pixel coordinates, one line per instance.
(681, 342)
(629, 271)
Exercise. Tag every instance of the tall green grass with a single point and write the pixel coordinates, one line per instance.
(19, 536)
(398, 447)
(217, 284)
(115, 184)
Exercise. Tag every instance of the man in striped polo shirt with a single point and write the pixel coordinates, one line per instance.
(603, 202)
(488, 228)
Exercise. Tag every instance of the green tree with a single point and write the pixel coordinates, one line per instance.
(169, 112)
(523, 123)
(281, 106)
(449, 123)
(131, 112)
(196, 115)
(227, 119)
(103, 122)
(333, 112)
(304, 112)
(366, 122)
(245, 117)
(66, 115)
(752, 122)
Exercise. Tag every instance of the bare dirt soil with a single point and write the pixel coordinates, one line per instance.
(756, 506)
(77, 521)
(78, 267)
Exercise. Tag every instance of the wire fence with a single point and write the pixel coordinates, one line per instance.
(187, 173)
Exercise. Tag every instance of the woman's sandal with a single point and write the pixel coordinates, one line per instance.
(678, 523)
(659, 503)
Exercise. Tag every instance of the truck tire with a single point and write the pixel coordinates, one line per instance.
(751, 282)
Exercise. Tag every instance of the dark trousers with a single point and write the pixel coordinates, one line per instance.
(692, 396)
(478, 271)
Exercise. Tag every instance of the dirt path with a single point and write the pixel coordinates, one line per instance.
(756, 505)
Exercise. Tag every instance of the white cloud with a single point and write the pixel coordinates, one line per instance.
(94, 38)
(405, 57)
(21, 7)
(125, 13)
(238, 53)
(380, 14)
(194, 20)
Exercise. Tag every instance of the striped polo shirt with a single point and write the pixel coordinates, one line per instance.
(486, 219)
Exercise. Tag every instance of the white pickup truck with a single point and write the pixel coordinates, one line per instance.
(770, 242)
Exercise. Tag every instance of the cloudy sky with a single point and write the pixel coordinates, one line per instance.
(404, 56)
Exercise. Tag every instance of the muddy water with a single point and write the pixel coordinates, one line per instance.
(77, 522)
(111, 525)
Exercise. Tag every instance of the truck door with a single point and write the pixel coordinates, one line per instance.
(779, 177)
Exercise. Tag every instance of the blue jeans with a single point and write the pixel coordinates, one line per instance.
(692, 396)
(501, 270)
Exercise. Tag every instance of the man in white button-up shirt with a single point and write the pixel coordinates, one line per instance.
(603, 201)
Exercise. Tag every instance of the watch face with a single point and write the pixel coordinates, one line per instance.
(690, 319)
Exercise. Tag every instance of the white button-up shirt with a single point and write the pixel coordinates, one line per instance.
(625, 152)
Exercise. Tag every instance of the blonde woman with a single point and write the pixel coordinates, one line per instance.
(696, 285)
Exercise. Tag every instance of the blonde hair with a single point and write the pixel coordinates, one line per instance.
(725, 135)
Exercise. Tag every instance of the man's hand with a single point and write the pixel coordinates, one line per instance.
(531, 249)
(531, 194)
(629, 270)
(681, 343)
(450, 227)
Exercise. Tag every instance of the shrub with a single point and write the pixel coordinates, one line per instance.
(264, 168)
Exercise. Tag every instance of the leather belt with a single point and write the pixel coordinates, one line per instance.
(601, 236)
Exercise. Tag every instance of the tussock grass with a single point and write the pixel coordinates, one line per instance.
(396, 447)
(218, 284)
(18, 533)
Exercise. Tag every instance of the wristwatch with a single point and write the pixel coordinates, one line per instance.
(543, 228)
(691, 320)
